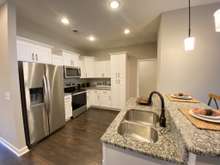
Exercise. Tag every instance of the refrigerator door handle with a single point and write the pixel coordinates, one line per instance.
(46, 94)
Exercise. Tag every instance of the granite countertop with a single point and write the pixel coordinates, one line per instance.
(99, 88)
(180, 136)
(167, 147)
(201, 142)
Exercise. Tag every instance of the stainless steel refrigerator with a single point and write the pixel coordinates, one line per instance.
(42, 97)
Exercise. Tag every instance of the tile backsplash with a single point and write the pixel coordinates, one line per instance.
(92, 82)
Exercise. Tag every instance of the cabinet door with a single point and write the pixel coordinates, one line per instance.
(115, 93)
(96, 98)
(89, 98)
(100, 69)
(25, 51)
(107, 66)
(29, 52)
(57, 60)
(76, 60)
(97, 69)
(109, 99)
(43, 55)
(118, 66)
(90, 66)
(105, 98)
(83, 69)
(68, 60)
(122, 90)
(114, 66)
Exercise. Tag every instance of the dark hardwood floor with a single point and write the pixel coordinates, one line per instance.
(78, 143)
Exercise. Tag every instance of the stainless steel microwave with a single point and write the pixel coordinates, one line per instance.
(71, 72)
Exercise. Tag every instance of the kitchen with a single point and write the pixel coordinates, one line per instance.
(70, 82)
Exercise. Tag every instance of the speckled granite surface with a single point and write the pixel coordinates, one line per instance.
(98, 88)
(197, 141)
(169, 147)
(179, 137)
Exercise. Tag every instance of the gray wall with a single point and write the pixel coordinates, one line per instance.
(141, 51)
(11, 123)
(195, 72)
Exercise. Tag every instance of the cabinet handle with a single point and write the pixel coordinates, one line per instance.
(36, 57)
(33, 56)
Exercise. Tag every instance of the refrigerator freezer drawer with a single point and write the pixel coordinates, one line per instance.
(38, 123)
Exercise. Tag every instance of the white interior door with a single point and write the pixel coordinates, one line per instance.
(147, 77)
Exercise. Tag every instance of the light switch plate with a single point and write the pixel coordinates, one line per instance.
(7, 96)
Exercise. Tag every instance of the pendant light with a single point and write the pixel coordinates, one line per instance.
(217, 20)
(189, 42)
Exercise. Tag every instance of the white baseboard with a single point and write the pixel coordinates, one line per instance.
(16, 151)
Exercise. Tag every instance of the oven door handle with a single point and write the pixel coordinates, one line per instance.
(78, 93)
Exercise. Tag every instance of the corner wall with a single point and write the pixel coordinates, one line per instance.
(195, 72)
(11, 122)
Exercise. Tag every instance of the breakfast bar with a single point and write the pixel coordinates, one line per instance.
(179, 143)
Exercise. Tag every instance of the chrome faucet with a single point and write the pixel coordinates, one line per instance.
(162, 119)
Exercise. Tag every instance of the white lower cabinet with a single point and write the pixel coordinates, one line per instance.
(68, 106)
(100, 98)
(105, 98)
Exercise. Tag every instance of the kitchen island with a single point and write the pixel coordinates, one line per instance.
(179, 143)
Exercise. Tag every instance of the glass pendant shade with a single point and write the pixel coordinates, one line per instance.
(217, 20)
(189, 43)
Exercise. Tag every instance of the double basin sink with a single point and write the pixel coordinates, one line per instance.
(139, 125)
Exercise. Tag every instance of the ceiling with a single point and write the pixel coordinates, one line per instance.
(95, 17)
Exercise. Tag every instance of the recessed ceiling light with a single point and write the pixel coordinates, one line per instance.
(65, 21)
(127, 31)
(91, 38)
(114, 4)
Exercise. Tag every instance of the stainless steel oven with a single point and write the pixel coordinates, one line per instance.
(78, 102)
(71, 72)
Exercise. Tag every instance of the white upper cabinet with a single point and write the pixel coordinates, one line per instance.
(118, 66)
(83, 68)
(33, 52)
(102, 69)
(57, 60)
(99, 69)
(71, 59)
(108, 69)
(89, 63)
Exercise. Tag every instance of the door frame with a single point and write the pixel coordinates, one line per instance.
(138, 65)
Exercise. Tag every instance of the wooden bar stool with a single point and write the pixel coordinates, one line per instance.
(215, 98)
